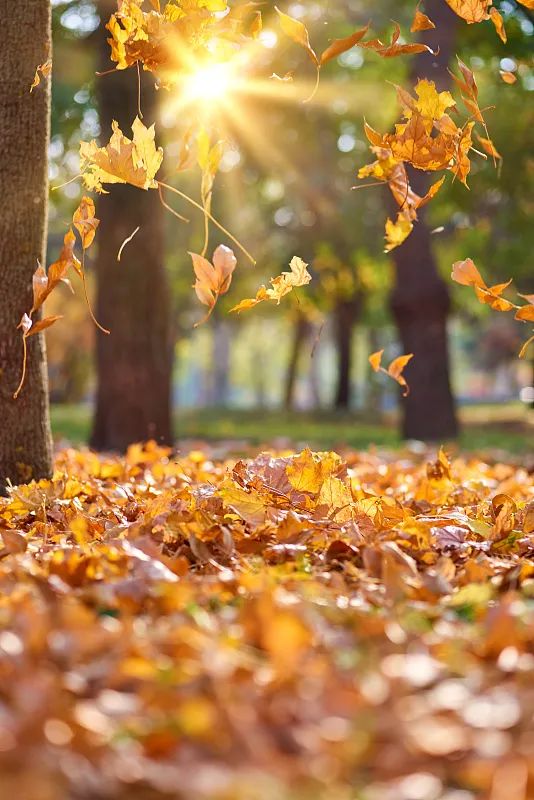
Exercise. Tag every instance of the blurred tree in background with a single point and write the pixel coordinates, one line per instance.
(285, 187)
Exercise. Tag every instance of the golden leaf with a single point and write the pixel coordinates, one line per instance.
(85, 222)
(339, 46)
(135, 161)
(421, 22)
(280, 286)
(42, 71)
(298, 32)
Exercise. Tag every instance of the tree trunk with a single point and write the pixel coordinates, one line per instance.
(134, 363)
(420, 300)
(345, 314)
(220, 367)
(301, 329)
(25, 42)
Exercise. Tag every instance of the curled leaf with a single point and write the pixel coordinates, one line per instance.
(339, 46)
(297, 31)
(280, 286)
(394, 370)
(42, 71)
(393, 48)
(421, 22)
(85, 222)
(213, 279)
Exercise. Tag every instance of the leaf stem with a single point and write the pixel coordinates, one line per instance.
(316, 86)
(209, 216)
(24, 363)
(86, 293)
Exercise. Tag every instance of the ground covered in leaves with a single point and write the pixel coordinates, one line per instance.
(287, 627)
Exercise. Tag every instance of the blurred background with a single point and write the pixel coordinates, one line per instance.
(297, 372)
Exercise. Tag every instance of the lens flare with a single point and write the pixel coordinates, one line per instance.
(209, 84)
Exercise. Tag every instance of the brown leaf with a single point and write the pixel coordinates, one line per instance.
(43, 324)
(339, 46)
(498, 21)
(421, 22)
(394, 48)
(298, 32)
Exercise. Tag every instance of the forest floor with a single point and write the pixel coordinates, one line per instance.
(506, 427)
(284, 627)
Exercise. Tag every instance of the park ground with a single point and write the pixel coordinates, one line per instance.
(506, 427)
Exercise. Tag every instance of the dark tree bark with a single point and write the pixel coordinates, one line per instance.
(420, 300)
(345, 315)
(133, 401)
(25, 41)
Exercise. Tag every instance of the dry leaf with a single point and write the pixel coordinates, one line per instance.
(213, 279)
(421, 22)
(339, 46)
(280, 286)
(42, 71)
(298, 32)
(135, 161)
(85, 222)
(394, 370)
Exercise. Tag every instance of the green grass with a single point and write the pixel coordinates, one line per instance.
(484, 427)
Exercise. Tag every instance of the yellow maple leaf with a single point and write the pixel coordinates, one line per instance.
(135, 161)
(397, 232)
(85, 222)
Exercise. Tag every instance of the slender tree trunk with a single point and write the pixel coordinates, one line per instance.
(345, 314)
(134, 363)
(25, 42)
(301, 329)
(420, 299)
(220, 354)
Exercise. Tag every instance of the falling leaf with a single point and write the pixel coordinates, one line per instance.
(397, 232)
(489, 147)
(134, 161)
(498, 21)
(42, 71)
(43, 324)
(471, 10)
(421, 22)
(213, 279)
(298, 32)
(280, 286)
(339, 46)
(85, 222)
(394, 48)
(44, 283)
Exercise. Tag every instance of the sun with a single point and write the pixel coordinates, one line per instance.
(209, 84)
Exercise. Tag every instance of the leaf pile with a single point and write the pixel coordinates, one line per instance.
(289, 626)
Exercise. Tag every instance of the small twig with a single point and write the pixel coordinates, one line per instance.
(126, 241)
